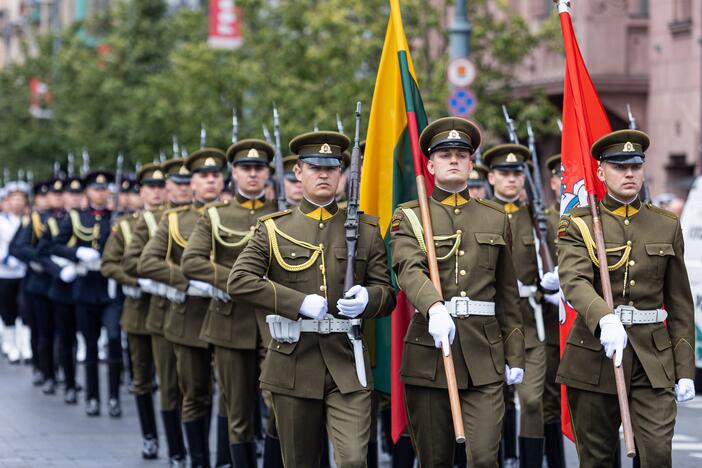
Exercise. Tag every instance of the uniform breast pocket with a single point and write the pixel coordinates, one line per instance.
(295, 257)
(488, 248)
(340, 254)
(659, 254)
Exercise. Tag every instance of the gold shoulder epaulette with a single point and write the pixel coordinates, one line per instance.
(491, 204)
(25, 220)
(661, 211)
(368, 219)
(216, 204)
(277, 214)
(580, 211)
(409, 204)
(177, 209)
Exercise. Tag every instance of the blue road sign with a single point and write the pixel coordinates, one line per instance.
(461, 102)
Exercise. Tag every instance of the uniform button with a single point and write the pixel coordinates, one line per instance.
(277, 346)
(98, 218)
(631, 303)
(492, 241)
(462, 272)
(628, 242)
(459, 232)
(582, 341)
(416, 339)
(252, 212)
(321, 246)
(252, 228)
(660, 252)
(322, 288)
(626, 222)
(321, 225)
(461, 252)
(632, 263)
(463, 294)
(632, 283)
(509, 216)
(457, 211)
(293, 254)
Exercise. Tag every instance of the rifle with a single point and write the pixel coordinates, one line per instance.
(559, 122)
(5, 175)
(30, 182)
(203, 136)
(176, 150)
(183, 152)
(278, 162)
(161, 157)
(266, 134)
(538, 219)
(235, 126)
(56, 169)
(479, 160)
(339, 124)
(632, 125)
(352, 229)
(85, 167)
(70, 163)
(137, 167)
(118, 183)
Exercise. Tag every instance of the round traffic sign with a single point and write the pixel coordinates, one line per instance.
(461, 72)
(461, 102)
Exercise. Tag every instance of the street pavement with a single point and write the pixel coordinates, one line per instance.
(41, 431)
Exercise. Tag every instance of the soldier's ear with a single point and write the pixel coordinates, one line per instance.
(600, 171)
(430, 165)
(297, 170)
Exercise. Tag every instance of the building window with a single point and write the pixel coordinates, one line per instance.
(682, 18)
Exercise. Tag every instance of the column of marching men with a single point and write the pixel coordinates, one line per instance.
(212, 284)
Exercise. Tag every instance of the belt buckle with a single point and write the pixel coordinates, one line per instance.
(461, 307)
(324, 327)
(626, 314)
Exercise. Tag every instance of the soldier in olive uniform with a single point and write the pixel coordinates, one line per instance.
(293, 187)
(151, 184)
(477, 182)
(507, 166)
(232, 328)
(81, 240)
(178, 193)
(647, 273)
(553, 437)
(293, 267)
(161, 262)
(478, 307)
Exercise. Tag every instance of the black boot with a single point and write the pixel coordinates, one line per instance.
(197, 446)
(147, 421)
(531, 452)
(174, 436)
(92, 385)
(372, 457)
(224, 457)
(402, 453)
(509, 434)
(243, 455)
(553, 445)
(272, 456)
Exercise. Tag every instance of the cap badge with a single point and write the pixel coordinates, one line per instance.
(511, 158)
(157, 174)
(628, 147)
(100, 179)
(325, 149)
(125, 184)
(75, 185)
(474, 175)
(253, 153)
(57, 185)
(210, 162)
(453, 135)
(183, 171)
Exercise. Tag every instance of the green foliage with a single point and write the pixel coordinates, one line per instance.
(134, 76)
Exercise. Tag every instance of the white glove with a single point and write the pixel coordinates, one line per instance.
(562, 313)
(685, 390)
(146, 285)
(220, 295)
(354, 302)
(441, 327)
(550, 280)
(554, 298)
(314, 306)
(199, 288)
(112, 288)
(87, 254)
(68, 273)
(513, 376)
(12, 262)
(131, 291)
(174, 295)
(613, 337)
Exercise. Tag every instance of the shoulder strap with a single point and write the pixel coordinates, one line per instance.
(213, 212)
(174, 230)
(126, 231)
(37, 226)
(53, 226)
(151, 223)
(592, 248)
(419, 235)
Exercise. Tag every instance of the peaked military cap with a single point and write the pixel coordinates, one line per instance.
(320, 148)
(507, 156)
(621, 147)
(56, 185)
(73, 185)
(128, 185)
(151, 174)
(98, 179)
(288, 165)
(41, 188)
(206, 160)
(250, 151)
(176, 171)
(477, 176)
(450, 132)
(553, 164)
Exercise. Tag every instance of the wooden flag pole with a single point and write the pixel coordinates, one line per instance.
(607, 293)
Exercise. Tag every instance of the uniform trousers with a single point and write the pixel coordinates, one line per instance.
(45, 331)
(65, 318)
(165, 362)
(552, 390)
(531, 393)
(238, 380)
(142, 362)
(9, 305)
(194, 369)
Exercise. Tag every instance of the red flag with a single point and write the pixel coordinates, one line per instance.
(584, 121)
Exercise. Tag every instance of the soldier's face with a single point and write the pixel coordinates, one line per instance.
(72, 201)
(178, 193)
(623, 181)
(207, 186)
(450, 167)
(151, 195)
(319, 183)
(555, 183)
(40, 202)
(250, 178)
(293, 190)
(15, 203)
(55, 200)
(507, 183)
(477, 192)
(97, 196)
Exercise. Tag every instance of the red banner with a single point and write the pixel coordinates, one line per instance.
(225, 25)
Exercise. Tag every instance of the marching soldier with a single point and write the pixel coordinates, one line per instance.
(507, 166)
(293, 267)
(553, 436)
(293, 187)
(479, 307)
(161, 262)
(81, 240)
(179, 194)
(477, 182)
(647, 273)
(151, 184)
(232, 328)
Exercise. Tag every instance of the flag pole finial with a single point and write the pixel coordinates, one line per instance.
(563, 5)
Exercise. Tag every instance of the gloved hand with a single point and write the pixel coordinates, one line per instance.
(314, 306)
(554, 298)
(112, 288)
(220, 295)
(562, 313)
(199, 288)
(131, 291)
(685, 390)
(441, 327)
(354, 302)
(174, 295)
(87, 254)
(12, 262)
(613, 337)
(513, 376)
(146, 285)
(550, 280)
(68, 273)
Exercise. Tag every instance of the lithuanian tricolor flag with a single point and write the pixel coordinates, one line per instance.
(397, 117)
